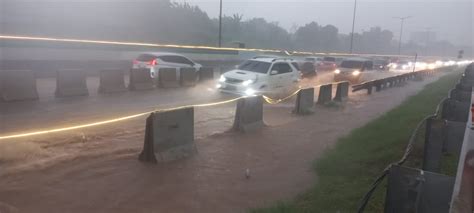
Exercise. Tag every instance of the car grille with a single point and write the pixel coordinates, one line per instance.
(233, 81)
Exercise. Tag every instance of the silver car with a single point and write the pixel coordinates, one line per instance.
(157, 60)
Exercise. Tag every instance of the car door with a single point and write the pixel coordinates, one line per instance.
(282, 78)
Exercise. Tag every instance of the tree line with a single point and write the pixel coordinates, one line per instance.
(164, 21)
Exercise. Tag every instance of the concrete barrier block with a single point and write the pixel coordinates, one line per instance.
(453, 137)
(460, 95)
(187, 77)
(169, 135)
(414, 190)
(325, 94)
(418, 76)
(304, 101)
(433, 148)
(18, 85)
(378, 85)
(455, 110)
(249, 114)
(140, 79)
(206, 74)
(168, 77)
(342, 91)
(71, 82)
(111, 81)
(467, 81)
(463, 87)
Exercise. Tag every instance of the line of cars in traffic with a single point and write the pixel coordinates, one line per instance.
(277, 75)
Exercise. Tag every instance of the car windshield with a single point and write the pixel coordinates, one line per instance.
(352, 64)
(255, 66)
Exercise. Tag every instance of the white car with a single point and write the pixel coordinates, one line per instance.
(155, 61)
(355, 70)
(260, 76)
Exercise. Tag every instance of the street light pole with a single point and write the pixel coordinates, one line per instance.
(402, 19)
(220, 23)
(353, 23)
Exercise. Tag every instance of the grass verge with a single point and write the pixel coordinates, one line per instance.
(346, 171)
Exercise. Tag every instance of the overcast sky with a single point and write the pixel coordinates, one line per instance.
(449, 19)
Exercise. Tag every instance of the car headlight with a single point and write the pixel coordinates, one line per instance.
(247, 82)
(337, 71)
(222, 79)
(394, 66)
(356, 73)
(250, 91)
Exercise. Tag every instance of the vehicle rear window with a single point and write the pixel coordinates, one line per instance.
(255, 66)
(146, 57)
(175, 59)
(331, 59)
(352, 64)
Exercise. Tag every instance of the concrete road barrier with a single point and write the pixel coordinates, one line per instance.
(433, 147)
(304, 102)
(342, 91)
(169, 136)
(467, 81)
(18, 85)
(414, 190)
(71, 82)
(111, 81)
(206, 74)
(455, 110)
(453, 136)
(249, 114)
(325, 94)
(187, 77)
(140, 79)
(168, 77)
(463, 87)
(460, 95)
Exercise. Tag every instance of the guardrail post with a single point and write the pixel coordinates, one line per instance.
(342, 91)
(248, 114)
(433, 147)
(378, 85)
(304, 102)
(325, 94)
(169, 135)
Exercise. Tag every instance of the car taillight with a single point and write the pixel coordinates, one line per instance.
(153, 62)
(135, 61)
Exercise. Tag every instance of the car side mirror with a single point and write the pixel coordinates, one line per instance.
(274, 72)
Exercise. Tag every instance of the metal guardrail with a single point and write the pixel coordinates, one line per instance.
(424, 190)
(391, 81)
(463, 192)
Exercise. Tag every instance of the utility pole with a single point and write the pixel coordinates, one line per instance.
(353, 23)
(402, 19)
(220, 24)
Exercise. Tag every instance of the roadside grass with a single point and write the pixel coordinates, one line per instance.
(346, 171)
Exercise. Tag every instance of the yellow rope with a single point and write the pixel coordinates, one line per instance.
(108, 121)
(277, 101)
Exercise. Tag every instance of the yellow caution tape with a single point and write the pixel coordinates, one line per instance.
(114, 120)
(16, 37)
(277, 101)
